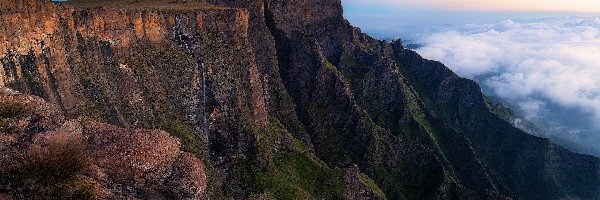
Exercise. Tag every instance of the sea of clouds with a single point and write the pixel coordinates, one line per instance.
(548, 69)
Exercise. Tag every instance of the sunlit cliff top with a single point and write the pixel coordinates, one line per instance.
(147, 4)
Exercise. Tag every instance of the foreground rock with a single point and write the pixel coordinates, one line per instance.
(44, 156)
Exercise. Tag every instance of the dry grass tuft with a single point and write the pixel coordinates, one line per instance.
(12, 109)
(50, 168)
(60, 157)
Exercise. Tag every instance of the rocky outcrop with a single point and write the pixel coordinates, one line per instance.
(44, 156)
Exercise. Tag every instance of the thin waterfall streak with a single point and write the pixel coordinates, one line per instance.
(204, 102)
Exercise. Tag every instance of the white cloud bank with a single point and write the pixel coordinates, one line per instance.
(550, 66)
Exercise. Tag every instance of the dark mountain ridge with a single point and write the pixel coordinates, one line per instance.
(282, 99)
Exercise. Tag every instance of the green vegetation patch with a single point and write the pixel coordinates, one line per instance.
(330, 66)
(355, 70)
(298, 175)
(272, 136)
(189, 141)
(370, 183)
(295, 177)
(276, 138)
(394, 184)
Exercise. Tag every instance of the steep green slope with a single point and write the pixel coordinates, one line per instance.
(531, 167)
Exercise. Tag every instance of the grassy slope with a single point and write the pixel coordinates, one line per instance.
(294, 174)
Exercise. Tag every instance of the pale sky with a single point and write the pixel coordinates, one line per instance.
(489, 5)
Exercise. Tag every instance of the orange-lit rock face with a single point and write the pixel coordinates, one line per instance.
(120, 27)
(142, 68)
(153, 27)
(23, 31)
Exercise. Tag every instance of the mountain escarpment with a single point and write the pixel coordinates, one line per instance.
(281, 99)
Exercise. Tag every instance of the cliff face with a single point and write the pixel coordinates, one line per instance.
(94, 62)
(281, 99)
(140, 68)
